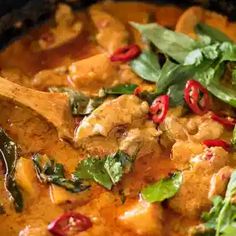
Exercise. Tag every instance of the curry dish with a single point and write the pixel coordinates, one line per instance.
(151, 91)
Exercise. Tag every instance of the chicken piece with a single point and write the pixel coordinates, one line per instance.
(59, 196)
(93, 72)
(143, 140)
(193, 15)
(26, 177)
(201, 128)
(194, 128)
(219, 182)
(142, 217)
(121, 111)
(192, 198)
(183, 151)
(67, 28)
(111, 32)
(52, 77)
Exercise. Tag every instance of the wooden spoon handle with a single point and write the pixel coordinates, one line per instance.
(52, 106)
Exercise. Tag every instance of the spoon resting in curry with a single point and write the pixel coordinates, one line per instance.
(54, 107)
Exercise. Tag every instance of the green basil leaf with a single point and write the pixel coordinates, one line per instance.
(174, 44)
(233, 140)
(176, 93)
(8, 153)
(163, 189)
(120, 89)
(50, 172)
(80, 103)
(147, 66)
(106, 171)
(212, 32)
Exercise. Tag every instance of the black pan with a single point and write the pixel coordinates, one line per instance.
(18, 16)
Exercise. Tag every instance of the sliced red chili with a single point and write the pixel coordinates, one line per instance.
(126, 53)
(69, 223)
(137, 91)
(197, 97)
(159, 108)
(217, 143)
(226, 121)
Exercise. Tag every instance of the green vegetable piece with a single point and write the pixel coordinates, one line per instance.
(50, 172)
(213, 33)
(222, 216)
(8, 153)
(233, 140)
(147, 66)
(163, 189)
(174, 44)
(120, 89)
(80, 103)
(106, 171)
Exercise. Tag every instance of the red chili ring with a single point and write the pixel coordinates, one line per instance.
(199, 105)
(137, 91)
(217, 143)
(70, 221)
(226, 121)
(126, 53)
(159, 108)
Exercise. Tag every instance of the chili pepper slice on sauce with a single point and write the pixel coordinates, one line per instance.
(137, 91)
(126, 53)
(217, 143)
(69, 223)
(226, 121)
(159, 108)
(197, 97)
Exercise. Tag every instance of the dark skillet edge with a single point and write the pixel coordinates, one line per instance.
(23, 15)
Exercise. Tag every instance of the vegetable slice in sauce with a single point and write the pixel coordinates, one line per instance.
(217, 143)
(8, 154)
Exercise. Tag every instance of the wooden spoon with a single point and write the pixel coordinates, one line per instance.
(52, 106)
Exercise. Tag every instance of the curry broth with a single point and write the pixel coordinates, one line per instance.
(33, 134)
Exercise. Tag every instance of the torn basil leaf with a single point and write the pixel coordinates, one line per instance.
(80, 103)
(213, 33)
(8, 154)
(174, 44)
(106, 171)
(50, 172)
(221, 219)
(147, 66)
(119, 89)
(163, 189)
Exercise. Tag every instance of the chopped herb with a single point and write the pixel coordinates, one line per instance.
(119, 89)
(106, 171)
(213, 33)
(79, 102)
(8, 153)
(50, 172)
(174, 44)
(221, 219)
(163, 189)
(147, 66)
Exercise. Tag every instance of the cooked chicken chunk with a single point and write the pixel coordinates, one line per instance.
(183, 151)
(120, 120)
(219, 182)
(98, 72)
(121, 111)
(51, 77)
(111, 32)
(67, 28)
(192, 198)
(195, 128)
(142, 217)
(192, 16)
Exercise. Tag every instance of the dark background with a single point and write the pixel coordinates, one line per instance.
(33, 12)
